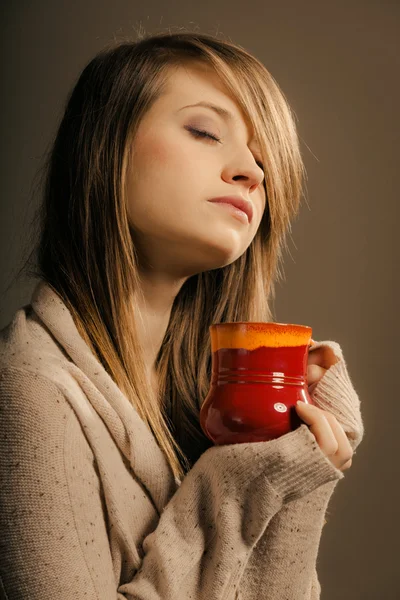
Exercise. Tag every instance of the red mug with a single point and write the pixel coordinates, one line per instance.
(259, 372)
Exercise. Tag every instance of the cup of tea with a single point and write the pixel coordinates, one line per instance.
(259, 372)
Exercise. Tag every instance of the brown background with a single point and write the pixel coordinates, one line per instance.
(338, 64)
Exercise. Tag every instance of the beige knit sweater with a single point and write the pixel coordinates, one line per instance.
(89, 508)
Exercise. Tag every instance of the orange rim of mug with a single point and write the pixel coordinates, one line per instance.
(252, 335)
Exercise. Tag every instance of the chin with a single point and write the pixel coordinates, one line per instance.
(218, 256)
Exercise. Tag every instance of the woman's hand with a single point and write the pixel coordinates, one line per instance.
(328, 432)
(319, 361)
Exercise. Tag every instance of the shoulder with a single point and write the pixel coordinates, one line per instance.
(33, 364)
(51, 495)
(33, 412)
(26, 343)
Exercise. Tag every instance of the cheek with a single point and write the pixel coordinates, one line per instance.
(159, 153)
(157, 180)
(167, 168)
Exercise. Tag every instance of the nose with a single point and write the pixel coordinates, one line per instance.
(248, 172)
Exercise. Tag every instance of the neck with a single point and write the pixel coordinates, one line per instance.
(154, 304)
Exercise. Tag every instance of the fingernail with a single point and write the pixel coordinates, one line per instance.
(300, 402)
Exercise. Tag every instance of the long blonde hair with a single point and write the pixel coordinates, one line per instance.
(83, 225)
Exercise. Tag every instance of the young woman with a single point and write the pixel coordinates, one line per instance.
(109, 488)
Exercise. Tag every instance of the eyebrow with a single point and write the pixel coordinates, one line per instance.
(223, 112)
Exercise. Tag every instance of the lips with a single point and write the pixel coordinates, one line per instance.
(238, 202)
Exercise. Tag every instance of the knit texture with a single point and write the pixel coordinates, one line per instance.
(89, 507)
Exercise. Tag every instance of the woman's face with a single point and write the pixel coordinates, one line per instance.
(173, 174)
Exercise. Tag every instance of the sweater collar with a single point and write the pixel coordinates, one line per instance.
(129, 431)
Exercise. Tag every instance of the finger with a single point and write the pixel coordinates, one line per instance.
(323, 356)
(314, 373)
(329, 434)
(343, 456)
(319, 425)
(315, 357)
(311, 389)
(347, 465)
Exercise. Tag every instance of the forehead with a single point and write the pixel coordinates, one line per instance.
(199, 85)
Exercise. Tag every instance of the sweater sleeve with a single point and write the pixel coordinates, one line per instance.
(221, 510)
(284, 559)
(205, 534)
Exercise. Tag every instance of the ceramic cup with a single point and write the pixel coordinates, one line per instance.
(259, 372)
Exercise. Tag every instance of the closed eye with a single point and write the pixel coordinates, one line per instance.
(201, 133)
